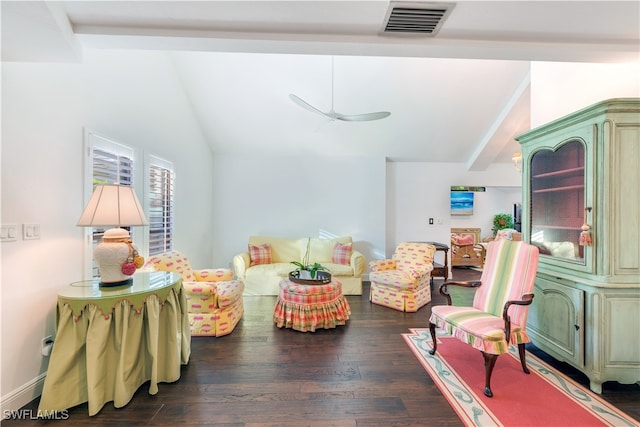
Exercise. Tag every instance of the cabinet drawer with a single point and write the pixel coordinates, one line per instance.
(556, 319)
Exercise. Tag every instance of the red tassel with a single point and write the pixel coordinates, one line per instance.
(585, 237)
(585, 234)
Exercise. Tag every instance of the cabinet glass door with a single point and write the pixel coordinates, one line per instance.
(558, 201)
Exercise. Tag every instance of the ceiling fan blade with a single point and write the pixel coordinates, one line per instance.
(300, 102)
(332, 115)
(363, 117)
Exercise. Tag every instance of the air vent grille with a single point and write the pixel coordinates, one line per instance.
(425, 20)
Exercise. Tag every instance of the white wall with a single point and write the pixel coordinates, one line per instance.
(132, 97)
(378, 203)
(419, 191)
(494, 200)
(297, 197)
(559, 88)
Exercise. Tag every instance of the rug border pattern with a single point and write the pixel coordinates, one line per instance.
(472, 410)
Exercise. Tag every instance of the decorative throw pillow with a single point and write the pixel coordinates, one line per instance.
(260, 254)
(505, 234)
(464, 239)
(342, 253)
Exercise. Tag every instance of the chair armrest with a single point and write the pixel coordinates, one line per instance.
(382, 264)
(240, 264)
(465, 284)
(527, 299)
(199, 288)
(358, 263)
(417, 272)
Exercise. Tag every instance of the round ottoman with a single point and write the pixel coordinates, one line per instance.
(306, 308)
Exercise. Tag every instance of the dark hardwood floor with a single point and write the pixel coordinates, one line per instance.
(361, 374)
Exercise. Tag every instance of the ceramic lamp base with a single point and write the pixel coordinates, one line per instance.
(110, 255)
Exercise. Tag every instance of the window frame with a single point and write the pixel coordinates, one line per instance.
(94, 141)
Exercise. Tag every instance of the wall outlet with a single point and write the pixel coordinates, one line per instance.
(47, 345)
(430, 221)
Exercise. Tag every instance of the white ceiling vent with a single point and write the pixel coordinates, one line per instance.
(416, 18)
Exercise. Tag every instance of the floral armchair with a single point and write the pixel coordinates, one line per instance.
(214, 299)
(498, 317)
(403, 282)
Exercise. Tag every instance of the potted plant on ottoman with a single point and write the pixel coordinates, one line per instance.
(307, 271)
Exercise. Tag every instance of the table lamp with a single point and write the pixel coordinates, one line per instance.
(116, 256)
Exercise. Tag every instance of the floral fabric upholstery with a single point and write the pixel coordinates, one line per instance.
(509, 273)
(403, 282)
(174, 262)
(213, 275)
(214, 299)
(382, 265)
(306, 308)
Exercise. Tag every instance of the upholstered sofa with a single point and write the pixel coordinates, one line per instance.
(214, 298)
(268, 260)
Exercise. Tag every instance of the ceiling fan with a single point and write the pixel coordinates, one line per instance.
(332, 114)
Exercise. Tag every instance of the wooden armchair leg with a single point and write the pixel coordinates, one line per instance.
(489, 363)
(432, 329)
(522, 352)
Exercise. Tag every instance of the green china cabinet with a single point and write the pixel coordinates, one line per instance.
(581, 191)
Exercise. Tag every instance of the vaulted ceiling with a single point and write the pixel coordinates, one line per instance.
(458, 92)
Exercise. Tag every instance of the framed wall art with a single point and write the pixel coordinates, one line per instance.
(461, 203)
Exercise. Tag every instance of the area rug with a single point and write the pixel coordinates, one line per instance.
(544, 398)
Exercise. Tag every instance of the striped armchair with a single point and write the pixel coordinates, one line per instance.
(404, 281)
(214, 299)
(498, 316)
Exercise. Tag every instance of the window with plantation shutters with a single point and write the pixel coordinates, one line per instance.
(109, 163)
(112, 167)
(160, 205)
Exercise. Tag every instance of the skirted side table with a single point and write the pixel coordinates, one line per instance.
(110, 341)
(306, 308)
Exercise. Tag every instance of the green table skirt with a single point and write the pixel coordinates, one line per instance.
(102, 357)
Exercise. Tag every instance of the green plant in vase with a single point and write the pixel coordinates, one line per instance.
(502, 221)
(303, 266)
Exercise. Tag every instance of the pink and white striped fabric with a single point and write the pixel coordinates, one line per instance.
(509, 273)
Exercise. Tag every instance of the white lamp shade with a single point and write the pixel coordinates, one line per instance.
(113, 205)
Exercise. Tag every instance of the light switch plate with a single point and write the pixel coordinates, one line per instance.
(30, 231)
(8, 233)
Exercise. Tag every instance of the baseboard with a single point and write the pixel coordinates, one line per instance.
(23, 395)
